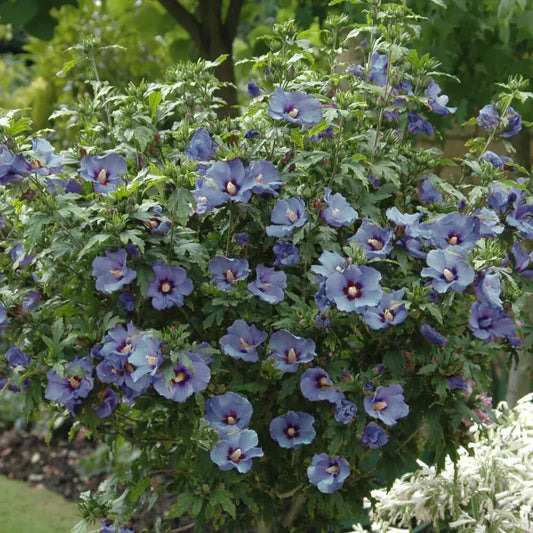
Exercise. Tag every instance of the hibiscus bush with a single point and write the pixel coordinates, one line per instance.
(274, 314)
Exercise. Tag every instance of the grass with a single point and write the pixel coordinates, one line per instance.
(24, 509)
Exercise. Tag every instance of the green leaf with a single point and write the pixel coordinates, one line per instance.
(69, 65)
(440, 3)
(153, 101)
(144, 136)
(225, 500)
(185, 500)
(80, 527)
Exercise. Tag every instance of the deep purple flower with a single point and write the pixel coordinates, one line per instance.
(127, 301)
(236, 450)
(495, 160)
(448, 270)
(522, 219)
(391, 310)
(387, 404)
(488, 117)
(293, 429)
(375, 241)
(241, 239)
(345, 411)
(354, 288)
(286, 254)
(298, 108)
(438, 103)
(489, 222)
(512, 123)
(428, 193)
(502, 197)
(230, 180)
(158, 224)
(328, 474)
(108, 402)
(316, 385)
(522, 260)
(374, 436)
(378, 69)
(331, 262)
(111, 271)
(201, 147)
(488, 288)
(263, 178)
(146, 357)
(416, 124)
(120, 341)
(488, 322)
(458, 382)
(338, 212)
(30, 300)
(19, 257)
(269, 284)
(228, 412)
(12, 167)
(74, 385)
(184, 380)
(252, 134)
(104, 172)
(241, 341)
(253, 89)
(48, 161)
(324, 134)
(286, 216)
(228, 272)
(207, 196)
(455, 232)
(14, 357)
(169, 287)
(109, 527)
(433, 336)
(290, 350)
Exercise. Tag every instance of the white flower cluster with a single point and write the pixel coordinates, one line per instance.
(489, 490)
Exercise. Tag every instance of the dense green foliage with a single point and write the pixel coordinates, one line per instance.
(360, 142)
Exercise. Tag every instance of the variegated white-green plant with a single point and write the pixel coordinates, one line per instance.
(489, 489)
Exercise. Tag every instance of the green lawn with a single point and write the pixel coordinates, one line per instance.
(24, 509)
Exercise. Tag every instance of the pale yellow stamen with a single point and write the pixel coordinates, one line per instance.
(379, 406)
(353, 291)
(266, 285)
(293, 217)
(323, 382)
(449, 276)
(229, 275)
(152, 359)
(334, 211)
(180, 376)
(117, 272)
(333, 469)
(259, 179)
(291, 432)
(102, 176)
(453, 240)
(375, 243)
(235, 455)
(75, 382)
(388, 315)
(294, 112)
(127, 348)
(292, 356)
(231, 420)
(244, 344)
(231, 188)
(165, 287)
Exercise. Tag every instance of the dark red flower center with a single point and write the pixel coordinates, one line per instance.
(235, 455)
(230, 419)
(165, 286)
(352, 290)
(292, 356)
(453, 239)
(322, 381)
(180, 376)
(292, 432)
(75, 382)
(231, 188)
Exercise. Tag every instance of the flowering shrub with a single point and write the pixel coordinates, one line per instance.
(488, 489)
(277, 313)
